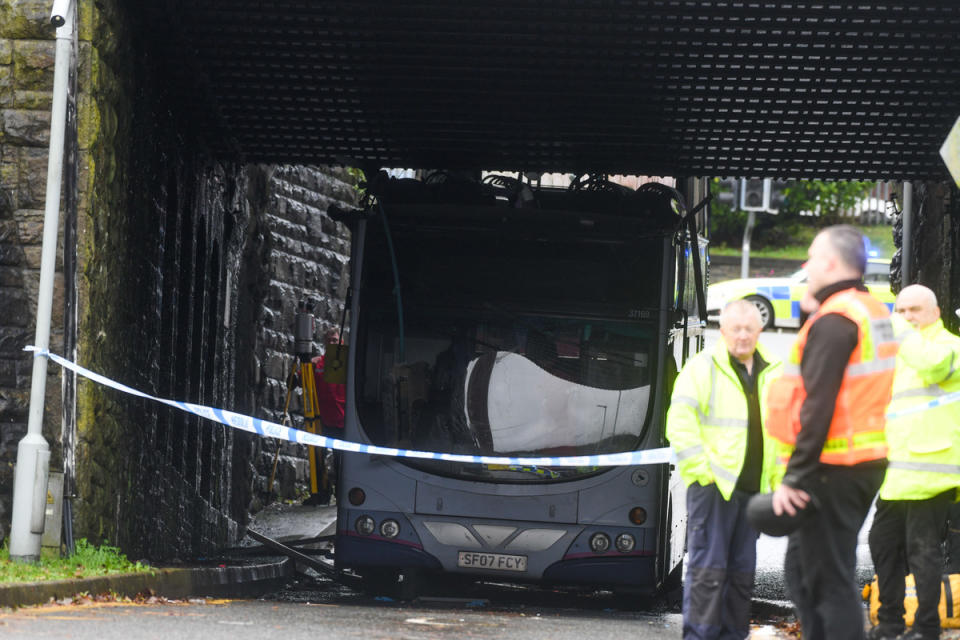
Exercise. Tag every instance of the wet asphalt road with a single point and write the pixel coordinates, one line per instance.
(241, 620)
(311, 608)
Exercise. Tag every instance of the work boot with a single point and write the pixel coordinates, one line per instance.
(884, 632)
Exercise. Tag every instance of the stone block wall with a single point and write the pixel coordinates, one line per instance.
(305, 256)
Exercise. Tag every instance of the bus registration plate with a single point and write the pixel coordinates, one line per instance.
(494, 561)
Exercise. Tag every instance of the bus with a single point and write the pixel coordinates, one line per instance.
(497, 317)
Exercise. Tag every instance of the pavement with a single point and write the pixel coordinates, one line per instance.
(232, 574)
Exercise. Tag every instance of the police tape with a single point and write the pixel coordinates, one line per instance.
(273, 430)
(949, 398)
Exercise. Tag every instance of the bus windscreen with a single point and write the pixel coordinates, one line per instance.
(510, 346)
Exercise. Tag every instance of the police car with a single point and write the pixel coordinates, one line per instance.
(778, 299)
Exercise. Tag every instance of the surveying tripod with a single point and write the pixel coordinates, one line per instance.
(320, 485)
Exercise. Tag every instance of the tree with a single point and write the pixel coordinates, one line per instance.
(824, 200)
(806, 203)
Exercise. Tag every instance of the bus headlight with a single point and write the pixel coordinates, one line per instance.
(365, 525)
(599, 542)
(389, 528)
(625, 543)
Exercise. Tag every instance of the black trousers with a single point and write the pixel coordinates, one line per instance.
(721, 561)
(952, 545)
(822, 554)
(906, 537)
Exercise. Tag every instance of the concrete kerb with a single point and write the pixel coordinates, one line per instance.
(220, 581)
(227, 581)
(762, 608)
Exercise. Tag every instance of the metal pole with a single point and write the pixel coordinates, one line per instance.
(745, 258)
(33, 452)
(907, 253)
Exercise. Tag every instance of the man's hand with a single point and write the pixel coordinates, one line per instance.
(900, 325)
(788, 500)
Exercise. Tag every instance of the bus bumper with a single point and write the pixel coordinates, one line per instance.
(357, 551)
(634, 571)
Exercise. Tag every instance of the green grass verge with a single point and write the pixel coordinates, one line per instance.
(880, 237)
(791, 253)
(87, 562)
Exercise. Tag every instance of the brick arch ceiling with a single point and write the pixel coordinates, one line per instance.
(798, 88)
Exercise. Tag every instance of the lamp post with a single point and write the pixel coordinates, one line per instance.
(33, 452)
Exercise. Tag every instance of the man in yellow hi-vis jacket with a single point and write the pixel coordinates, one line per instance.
(924, 469)
(714, 426)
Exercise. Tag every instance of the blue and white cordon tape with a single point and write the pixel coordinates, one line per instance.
(274, 430)
(948, 398)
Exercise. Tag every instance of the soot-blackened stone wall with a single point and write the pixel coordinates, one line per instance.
(189, 270)
(161, 225)
(203, 311)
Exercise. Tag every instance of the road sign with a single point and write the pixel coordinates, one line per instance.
(950, 152)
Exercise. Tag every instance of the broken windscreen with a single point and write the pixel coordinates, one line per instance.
(510, 345)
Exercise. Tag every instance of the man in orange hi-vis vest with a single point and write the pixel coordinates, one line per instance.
(826, 415)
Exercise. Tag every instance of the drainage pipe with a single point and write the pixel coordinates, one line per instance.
(71, 178)
(906, 254)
